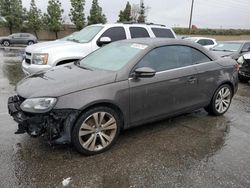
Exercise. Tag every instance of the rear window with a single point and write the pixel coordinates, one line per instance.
(160, 32)
(138, 32)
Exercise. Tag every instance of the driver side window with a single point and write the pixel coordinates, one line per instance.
(115, 34)
(172, 57)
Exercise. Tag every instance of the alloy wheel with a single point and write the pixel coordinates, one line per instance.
(223, 100)
(97, 131)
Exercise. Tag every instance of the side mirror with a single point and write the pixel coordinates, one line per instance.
(103, 41)
(144, 72)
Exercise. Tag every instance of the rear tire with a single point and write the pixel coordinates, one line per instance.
(30, 42)
(6, 43)
(221, 101)
(96, 130)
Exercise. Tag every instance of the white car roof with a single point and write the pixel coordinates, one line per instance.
(198, 38)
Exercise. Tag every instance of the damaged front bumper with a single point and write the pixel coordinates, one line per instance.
(56, 124)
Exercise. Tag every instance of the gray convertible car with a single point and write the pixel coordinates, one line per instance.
(18, 38)
(121, 85)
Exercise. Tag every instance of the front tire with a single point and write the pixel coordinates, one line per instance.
(221, 101)
(96, 130)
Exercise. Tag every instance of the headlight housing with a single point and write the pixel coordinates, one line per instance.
(38, 105)
(40, 59)
(241, 60)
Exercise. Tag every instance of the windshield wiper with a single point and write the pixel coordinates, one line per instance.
(222, 50)
(77, 63)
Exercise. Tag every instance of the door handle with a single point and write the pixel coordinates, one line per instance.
(192, 80)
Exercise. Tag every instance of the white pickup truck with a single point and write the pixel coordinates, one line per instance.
(45, 55)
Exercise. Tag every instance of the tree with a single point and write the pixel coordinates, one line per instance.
(96, 15)
(12, 12)
(77, 13)
(142, 17)
(34, 15)
(125, 15)
(53, 18)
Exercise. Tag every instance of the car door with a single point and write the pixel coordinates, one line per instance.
(138, 32)
(171, 90)
(16, 39)
(208, 74)
(24, 38)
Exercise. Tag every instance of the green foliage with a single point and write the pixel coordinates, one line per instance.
(142, 16)
(185, 31)
(125, 15)
(12, 11)
(34, 21)
(77, 13)
(96, 15)
(53, 18)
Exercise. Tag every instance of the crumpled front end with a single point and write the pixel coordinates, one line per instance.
(56, 124)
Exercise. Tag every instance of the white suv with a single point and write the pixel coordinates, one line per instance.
(46, 55)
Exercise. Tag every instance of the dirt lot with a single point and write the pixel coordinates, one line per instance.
(193, 150)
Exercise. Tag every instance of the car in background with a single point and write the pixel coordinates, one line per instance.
(205, 42)
(18, 38)
(44, 56)
(124, 84)
(244, 71)
(233, 49)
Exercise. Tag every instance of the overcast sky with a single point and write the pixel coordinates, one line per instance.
(207, 13)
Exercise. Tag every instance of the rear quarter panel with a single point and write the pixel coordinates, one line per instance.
(212, 75)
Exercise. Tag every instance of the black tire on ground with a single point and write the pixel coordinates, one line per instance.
(212, 108)
(99, 137)
(6, 43)
(30, 42)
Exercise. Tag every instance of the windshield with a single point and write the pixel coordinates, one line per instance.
(69, 36)
(113, 56)
(85, 35)
(227, 46)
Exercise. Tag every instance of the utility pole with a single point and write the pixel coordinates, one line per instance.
(191, 15)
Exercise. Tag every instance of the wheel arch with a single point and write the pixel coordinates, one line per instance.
(228, 83)
(105, 103)
(62, 62)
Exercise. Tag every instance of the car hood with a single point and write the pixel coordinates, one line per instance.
(52, 46)
(246, 56)
(62, 80)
